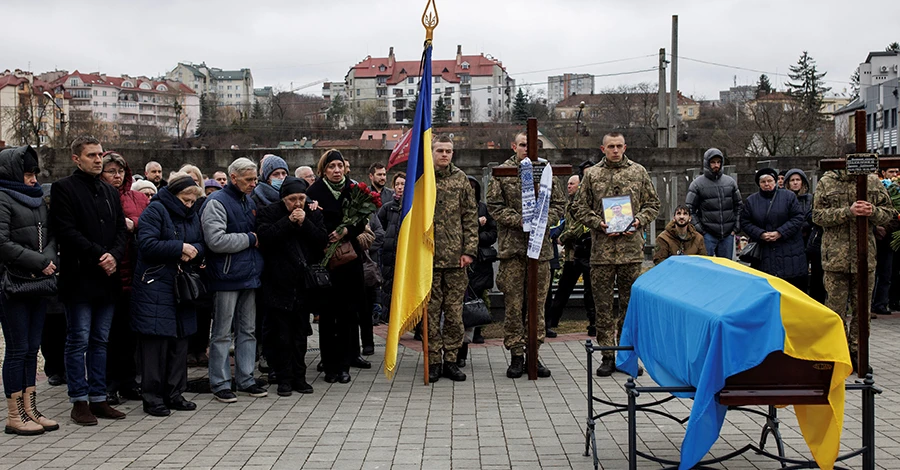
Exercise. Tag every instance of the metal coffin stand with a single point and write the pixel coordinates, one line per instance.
(796, 382)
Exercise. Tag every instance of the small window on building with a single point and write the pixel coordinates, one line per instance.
(95, 92)
(489, 88)
(104, 92)
(489, 113)
(104, 104)
(410, 92)
(489, 101)
(437, 79)
(690, 111)
(465, 66)
(437, 90)
(95, 103)
(411, 80)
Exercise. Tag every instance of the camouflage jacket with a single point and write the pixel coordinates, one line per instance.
(834, 195)
(573, 232)
(605, 179)
(455, 218)
(504, 201)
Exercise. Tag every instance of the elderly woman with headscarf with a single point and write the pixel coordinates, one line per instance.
(121, 370)
(26, 248)
(773, 218)
(170, 241)
(345, 299)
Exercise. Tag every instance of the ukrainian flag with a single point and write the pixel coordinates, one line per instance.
(695, 321)
(415, 246)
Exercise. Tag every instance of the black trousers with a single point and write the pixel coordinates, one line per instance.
(198, 342)
(817, 278)
(884, 258)
(163, 368)
(366, 334)
(567, 280)
(121, 356)
(53, 344)
(288, 341)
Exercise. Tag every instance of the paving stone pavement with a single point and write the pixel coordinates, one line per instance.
(486, 422)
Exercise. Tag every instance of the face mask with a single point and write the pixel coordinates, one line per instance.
(276, 183)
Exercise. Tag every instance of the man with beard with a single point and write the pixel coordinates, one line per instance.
(679, 238)
(378, 180)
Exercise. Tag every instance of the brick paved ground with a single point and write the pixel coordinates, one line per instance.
(486, 422)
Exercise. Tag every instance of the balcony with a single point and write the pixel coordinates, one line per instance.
(465, 90)
(400, 104)
(465, 103)
(398, 93)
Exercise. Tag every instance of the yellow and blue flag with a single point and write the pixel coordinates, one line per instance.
(415, 244)
(695, 321)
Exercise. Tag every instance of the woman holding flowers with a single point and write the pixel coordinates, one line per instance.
(345, 213)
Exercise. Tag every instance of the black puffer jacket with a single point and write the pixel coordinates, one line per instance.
(714, 200)
(785, 257)
(389, 216)
(481, 274)
(806, 202)
(21, 218)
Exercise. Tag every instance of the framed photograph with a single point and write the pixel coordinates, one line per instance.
(618, 214)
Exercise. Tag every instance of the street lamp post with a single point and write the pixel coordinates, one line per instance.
(578, 123)
(62, 116)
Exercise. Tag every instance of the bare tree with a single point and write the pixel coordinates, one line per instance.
(30, 118)
(782, 127)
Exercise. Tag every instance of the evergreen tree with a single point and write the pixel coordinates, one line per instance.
(257, 113)
(203, 121)
(806, 84)
(854, 85)
(337, 110)
(764, 87)
(520, 108)
(893, 47)
(441, 113)
(411, 108)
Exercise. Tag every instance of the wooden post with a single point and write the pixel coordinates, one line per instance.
(532, 266)
(425, 342)
(862, 257)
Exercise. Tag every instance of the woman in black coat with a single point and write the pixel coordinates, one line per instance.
(773, 219)
(169, 238)
(291, 237)
(481, 273)
(389, 216)
(346, 297)
(26, 248)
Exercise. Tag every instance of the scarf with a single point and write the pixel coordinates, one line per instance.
(335, 188)
(30, 196)
(267, 193)
(535, 212)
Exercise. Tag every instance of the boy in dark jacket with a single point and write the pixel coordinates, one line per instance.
(293, 237)
(90, 229)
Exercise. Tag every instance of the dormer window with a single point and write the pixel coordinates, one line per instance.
(146, 86)
(161, 87)
(127, 84)
(382, 68)
(465, 66)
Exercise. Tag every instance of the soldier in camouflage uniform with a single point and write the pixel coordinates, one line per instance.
(615, 258)
(835, 209)
(504, 201)
(455, 247)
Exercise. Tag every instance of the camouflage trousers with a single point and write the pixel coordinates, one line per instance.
(512, 280)
(841, 289)
(447, 289)
(604, 279)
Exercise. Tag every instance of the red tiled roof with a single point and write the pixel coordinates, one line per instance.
(11, 80)
(390, 134)
(96, 79)
(448, 70)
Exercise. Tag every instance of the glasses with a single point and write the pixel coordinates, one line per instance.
(114, 172)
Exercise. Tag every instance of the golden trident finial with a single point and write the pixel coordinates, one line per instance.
(430, 19)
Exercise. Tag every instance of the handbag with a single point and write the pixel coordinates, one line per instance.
(24, 284)
(487, 254)
(343, 255)
(316, 276)
(475, 312)
(371, 273)
(752, 253)
(188, 286)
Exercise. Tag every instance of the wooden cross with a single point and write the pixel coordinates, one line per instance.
(532, 266)
(862, 248)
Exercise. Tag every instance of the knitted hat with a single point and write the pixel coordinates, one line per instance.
(143, 184)
(766, 171)
(293, 185)
(272, 163)
(210, 183)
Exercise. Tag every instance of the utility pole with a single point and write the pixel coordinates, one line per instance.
(662, 134)
(673, 94)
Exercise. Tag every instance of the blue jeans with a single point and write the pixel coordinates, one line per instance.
(235, 309)
(23, 322)
(86, 341)
(721, 247)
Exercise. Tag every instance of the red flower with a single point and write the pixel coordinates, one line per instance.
(352, 185)
(363, 186)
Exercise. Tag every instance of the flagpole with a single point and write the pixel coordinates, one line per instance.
(429, 21)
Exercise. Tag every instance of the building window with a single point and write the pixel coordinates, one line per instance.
(690, 111)
(437, 91)
(357, 92)
(229, 87)
(489, 113)
(95, 92)
(452, 114)
(73, 82)
(437, 79)
(448, 90)
(104, 92)
(229, 95)
(382, 68)
(894, 119)
(238, 95)
(410, 92)
(489, 101)
(95, 103)
(104, 104)
(868, 123)
(465, 66)
(411, 80)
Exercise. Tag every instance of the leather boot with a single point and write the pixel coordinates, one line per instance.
(31, 409)
(101, 409)
(607, 367)
(434, 372)
(81, 414)
(516, 367)
(17, 420)
(452, 372)
(462, 354)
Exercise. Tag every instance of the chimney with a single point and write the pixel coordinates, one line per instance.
(391, 57)
(458, 54)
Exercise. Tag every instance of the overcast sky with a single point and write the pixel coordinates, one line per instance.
(302, 41)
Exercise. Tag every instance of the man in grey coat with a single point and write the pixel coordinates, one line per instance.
(715, 203)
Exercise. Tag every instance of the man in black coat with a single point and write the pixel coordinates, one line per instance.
(292, 237)
(89, 224)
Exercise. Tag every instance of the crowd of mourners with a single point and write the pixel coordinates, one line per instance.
(123, 281)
